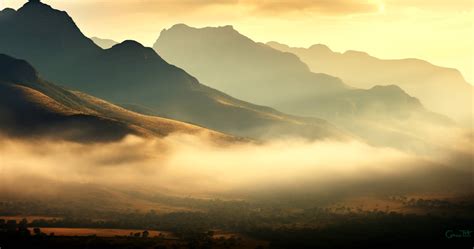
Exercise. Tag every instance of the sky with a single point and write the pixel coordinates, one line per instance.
(439, 31)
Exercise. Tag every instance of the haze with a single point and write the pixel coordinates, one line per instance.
(219, 139)
(193, 165)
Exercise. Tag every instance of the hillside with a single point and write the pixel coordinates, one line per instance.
(435, 86)
(57, 112)
(134, 76)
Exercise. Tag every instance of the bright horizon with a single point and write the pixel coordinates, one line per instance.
(439, 32)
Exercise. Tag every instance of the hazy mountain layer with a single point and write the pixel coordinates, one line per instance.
(136, 77)
(104, 43)
(443, 90)
(229, 61)
(31, 106)
(382, 115)
(233, 63)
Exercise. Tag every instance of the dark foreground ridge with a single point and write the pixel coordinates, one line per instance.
(32, 107)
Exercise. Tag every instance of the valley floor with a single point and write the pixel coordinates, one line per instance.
(419, 222)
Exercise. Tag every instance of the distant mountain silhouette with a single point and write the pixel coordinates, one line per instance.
(229, 61)
(443, 90)
(223, 58)
(136, 77)
(104, 43)
(31, 106)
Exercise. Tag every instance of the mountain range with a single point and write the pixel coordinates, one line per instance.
(230, 61)
(233, 63)
(136, 77)
(443, 90)
(33, 107)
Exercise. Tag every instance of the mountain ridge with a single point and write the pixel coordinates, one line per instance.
(71, 114)
(433, 85)
(238, 48)
(256, 72)
(211, 47)
(131, 74)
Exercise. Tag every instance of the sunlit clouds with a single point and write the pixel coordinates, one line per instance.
(438, 31)
(192, 165)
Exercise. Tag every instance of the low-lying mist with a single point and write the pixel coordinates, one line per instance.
(194, 166)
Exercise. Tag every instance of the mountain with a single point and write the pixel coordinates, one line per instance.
(443, 90)
(31, 107)
(104, 43)
(229, 61)
(382, 115)
(233, 63)
(6, 13)
(137, 78)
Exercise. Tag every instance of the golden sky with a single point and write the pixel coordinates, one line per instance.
(439, 31)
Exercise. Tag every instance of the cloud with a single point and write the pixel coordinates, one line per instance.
(269, 7)
(434, 5)
(264, 7)
(168, 7)
(190, 165)
(325, 7)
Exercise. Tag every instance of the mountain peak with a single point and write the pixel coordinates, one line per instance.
(320, 48)
(35, 22)
(356, 53)
(133, 50)
(224, 30)
(129, 44)
(35, 4)
(7, 12)
(226, 27)
(42, 14)
(180, 26)
(394, 92)
(218, 35)
(15, 70)
(388, 88)
(185, 27)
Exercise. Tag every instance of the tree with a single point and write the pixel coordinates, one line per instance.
(23, 225)
(11, 225)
